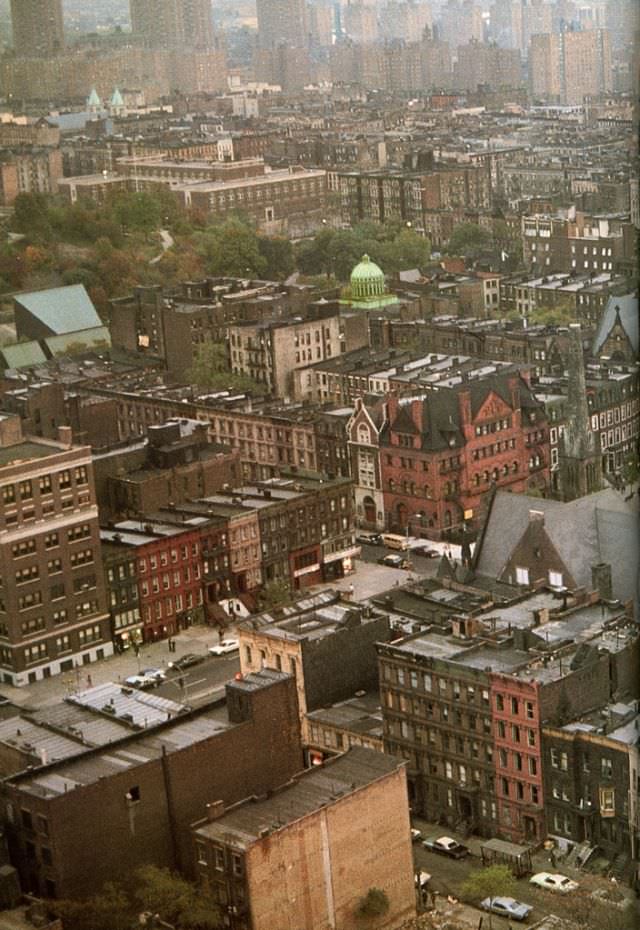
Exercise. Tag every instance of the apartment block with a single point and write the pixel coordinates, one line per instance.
(330, 823)
(53, 608)
(149, 787)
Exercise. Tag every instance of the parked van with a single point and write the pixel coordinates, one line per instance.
(394, 541)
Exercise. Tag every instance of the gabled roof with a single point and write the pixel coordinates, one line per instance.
(600, 527)
(61, 309)
(627, 307)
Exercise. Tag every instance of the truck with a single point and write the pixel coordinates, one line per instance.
(446, 846)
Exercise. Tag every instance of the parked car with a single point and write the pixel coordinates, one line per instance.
(369, 539)
(425, 552)
(395, 561)
(186, 661)
(224, 647)
(446, 846)
(552, 882)
(415, 835)
(507, 907)
(156, 674)
(141, 682)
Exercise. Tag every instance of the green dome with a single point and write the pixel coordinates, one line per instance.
(367, 280)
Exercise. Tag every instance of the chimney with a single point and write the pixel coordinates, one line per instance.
(65, 435)
(601, 580)
(215, 810)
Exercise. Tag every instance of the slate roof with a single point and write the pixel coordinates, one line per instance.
(61, 309)
(628, 306)
(601, 527)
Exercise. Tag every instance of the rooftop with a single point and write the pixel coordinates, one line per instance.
(312, 790)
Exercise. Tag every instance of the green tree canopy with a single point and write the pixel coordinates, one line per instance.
(210, 370)
(336, 251)
(489, 882)
(152, 890)
(468, 239)
(232, 249)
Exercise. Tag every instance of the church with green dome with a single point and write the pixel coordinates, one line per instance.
(368, 289)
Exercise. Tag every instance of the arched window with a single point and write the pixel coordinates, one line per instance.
(364, 434)
(514, 467)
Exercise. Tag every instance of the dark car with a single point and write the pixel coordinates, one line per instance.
(425, 552)
(395, 561)
(186, 661)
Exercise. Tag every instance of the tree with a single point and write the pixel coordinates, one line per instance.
(489, 883)
(274, 594)
(210, 370)
(469, 240)
(561, 314)
(109, 910)
(277, 253)
(231, 249)
(374, 904)
(31, 216)
(175, 900)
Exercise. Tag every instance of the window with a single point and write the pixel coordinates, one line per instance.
(555, 579)
(522, 575)
(606, 768)
(499, 702)
(607, 802)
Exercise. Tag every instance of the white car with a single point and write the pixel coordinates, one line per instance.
(224, 647)
(552, 882)
(155, 673)
(415, 834)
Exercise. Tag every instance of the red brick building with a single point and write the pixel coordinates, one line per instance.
(517, 753)
(440, 453)
(169, 570)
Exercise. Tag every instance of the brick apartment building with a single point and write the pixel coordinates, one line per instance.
(440, 453)
(291, 200)
(466, 707)
(383, 196)
(331, 822)
(53, 608)
(326, 643)
(591, 783)
(175, 462)
(149, 787)
(273, 352)
(168, 568)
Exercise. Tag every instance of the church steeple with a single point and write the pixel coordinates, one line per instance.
(580, 462)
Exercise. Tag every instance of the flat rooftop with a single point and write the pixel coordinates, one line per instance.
(312, 790)
(28, 451)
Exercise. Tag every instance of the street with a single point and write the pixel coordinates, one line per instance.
(449, 875)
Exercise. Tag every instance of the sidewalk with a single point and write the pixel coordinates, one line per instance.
(116, 668)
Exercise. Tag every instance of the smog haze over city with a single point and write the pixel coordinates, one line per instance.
(319, 475)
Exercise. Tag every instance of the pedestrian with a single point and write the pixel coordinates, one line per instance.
(89, 682)
(552, 859)
(219, 634)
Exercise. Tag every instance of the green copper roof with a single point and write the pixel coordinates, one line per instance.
(61, 309)
(366, 270)
(93, 100)
(116, 99)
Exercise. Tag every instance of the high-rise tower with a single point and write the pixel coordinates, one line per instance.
(281, 23)
(38, 28)
(170, 24)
